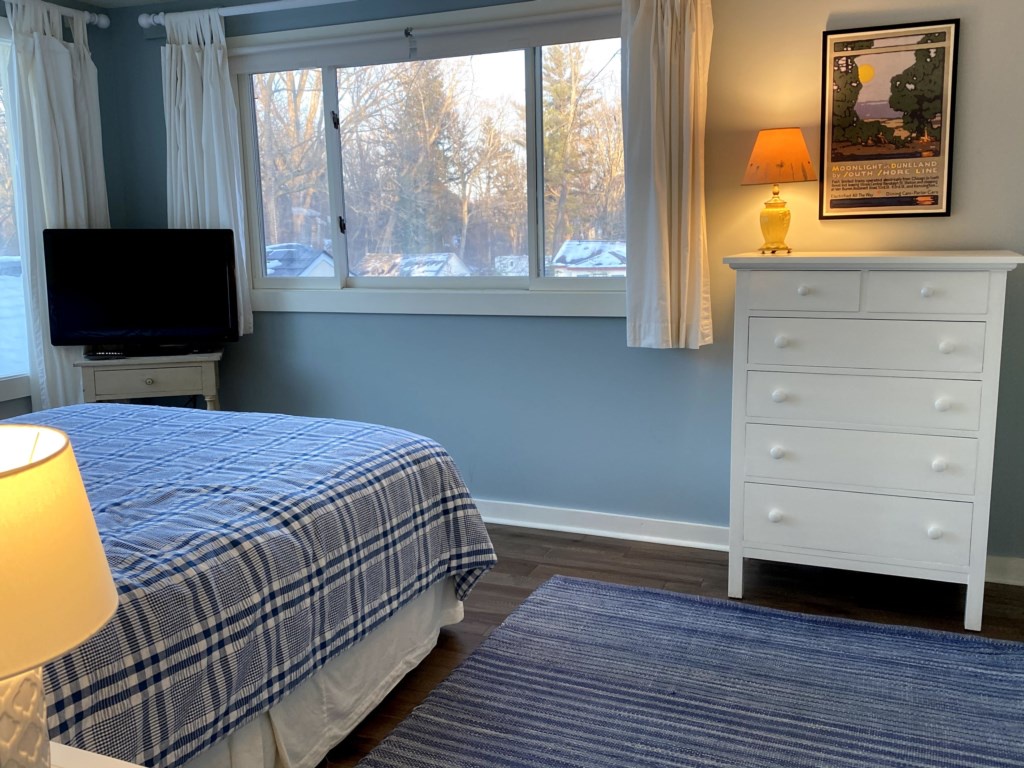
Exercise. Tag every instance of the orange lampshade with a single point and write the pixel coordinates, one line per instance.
(779, 154)
(55, 586)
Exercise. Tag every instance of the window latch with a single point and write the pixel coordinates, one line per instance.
(336, 120)
(342, 226)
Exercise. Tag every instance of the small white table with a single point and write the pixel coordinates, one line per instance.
(62, 756)
(126, 378)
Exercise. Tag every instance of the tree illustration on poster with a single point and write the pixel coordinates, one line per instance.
(887, 120)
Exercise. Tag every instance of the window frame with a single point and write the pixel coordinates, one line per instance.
(450, 34)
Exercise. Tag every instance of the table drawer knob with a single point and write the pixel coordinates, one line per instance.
(781, 341)
(150, 382)
(940, 465)
(779, 396)
(943, 404)
(934, 532)
(803, 290)
(927, 292)
(777, 452)
(775, 515)
(947, 347)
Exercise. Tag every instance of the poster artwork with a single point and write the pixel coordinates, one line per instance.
(887, 120)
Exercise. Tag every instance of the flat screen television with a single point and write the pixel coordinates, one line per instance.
(127, 292)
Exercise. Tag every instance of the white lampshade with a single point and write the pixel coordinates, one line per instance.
(55, 585)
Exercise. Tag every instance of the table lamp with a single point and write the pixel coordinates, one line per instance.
(55, 586)
(779, 154)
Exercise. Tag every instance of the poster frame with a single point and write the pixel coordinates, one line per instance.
(895, 172)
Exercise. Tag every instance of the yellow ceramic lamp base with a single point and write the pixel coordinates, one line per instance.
(775, 224)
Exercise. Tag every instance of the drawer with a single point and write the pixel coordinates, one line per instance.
(876, 400)
(913, 345)
(869, 524)
(144, 382)
(937, 292)
(854, 457)
(805, 290)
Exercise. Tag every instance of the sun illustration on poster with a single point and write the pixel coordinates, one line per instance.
(866, 73)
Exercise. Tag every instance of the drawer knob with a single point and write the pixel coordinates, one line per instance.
(927, 292)
(803, 290)
(781, 341)
(940, 465)
(779, 396)
(150, 382)
(777, 452)
(934, 532)
(947, 347)
(943, 404)
(775, 515)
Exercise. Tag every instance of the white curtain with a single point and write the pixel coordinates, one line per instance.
(666, 50)
(204, 171)
(52, 96)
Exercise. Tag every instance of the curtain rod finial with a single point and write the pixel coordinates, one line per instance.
(101, 20)
(149, 20)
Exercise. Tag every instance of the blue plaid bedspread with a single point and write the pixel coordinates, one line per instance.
(247, 550)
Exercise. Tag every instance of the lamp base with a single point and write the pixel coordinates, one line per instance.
(24, 738)
(775, 224)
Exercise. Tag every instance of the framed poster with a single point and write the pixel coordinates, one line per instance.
(887, 120)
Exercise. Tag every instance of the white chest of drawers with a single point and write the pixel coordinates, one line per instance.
(864, 411)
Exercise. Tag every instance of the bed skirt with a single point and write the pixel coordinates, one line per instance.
(300, 729)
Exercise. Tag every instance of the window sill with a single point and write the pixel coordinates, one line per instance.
(547, 303)
(14, 388)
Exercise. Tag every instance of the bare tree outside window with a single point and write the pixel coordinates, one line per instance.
(584, 181)
(297, 227)
(434, 166)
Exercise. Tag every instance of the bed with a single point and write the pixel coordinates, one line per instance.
(277, 575)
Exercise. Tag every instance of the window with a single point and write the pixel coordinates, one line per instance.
(434, 164)
(488, 169)
(13, 328)
(295, 202)
(584, 184)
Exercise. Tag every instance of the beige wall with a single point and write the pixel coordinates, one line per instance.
(766, 73)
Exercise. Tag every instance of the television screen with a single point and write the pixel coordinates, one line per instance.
(141, 291)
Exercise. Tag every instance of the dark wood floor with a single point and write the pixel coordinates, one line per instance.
(527, 558)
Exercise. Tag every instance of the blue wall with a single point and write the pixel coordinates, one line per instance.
(557, 411)
(539, 410)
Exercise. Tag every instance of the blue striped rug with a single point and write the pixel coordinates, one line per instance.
(599, 675)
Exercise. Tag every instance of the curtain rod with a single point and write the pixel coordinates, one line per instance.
(101, 20)
(147, 20)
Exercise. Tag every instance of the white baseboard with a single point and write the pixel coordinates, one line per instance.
(606, 524)
(1005, 570)
(1000, 570)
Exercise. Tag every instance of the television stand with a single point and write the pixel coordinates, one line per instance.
(129, 378)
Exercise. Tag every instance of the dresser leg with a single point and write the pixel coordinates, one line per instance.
(736, 576)
(975, 601)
